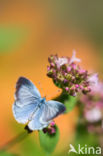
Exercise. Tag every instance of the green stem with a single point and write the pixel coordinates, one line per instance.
(62, 97)
(15, 140)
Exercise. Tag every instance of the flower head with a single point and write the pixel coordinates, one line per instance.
(68, 75)
(93, 79)
(93, 114)
(93, 104)
(51, 129)
(61, 61)
(73, 58)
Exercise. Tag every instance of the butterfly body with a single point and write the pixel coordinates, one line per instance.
(29, 107)
(42, 101)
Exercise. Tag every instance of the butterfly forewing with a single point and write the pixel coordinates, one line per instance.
(26, 91)
(26, 100)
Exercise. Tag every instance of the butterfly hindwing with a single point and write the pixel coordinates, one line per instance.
(24, 114)
(47, 112)
(51, 110)
(35, 123)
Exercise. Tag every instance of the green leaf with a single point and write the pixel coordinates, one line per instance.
(48, 141)
(3, 153)
(28, 146)
(70, 103)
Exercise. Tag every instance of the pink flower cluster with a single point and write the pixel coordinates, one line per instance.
(93, 104)
(69, 76)
(51, 129)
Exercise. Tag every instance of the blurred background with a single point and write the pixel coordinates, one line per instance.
(30, 31)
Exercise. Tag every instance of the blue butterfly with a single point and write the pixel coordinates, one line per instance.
(29, 107)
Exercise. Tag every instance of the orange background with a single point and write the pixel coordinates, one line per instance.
(29, 58)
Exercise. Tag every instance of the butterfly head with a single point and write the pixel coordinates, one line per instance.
(43, 100)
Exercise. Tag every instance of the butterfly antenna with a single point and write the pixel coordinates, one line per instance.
(41, 89)
(54, 93)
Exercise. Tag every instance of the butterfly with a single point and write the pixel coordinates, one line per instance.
(29, 107)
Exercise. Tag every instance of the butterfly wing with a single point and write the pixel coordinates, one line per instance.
(51, 110)
(35, 123)
(45, 114)
(25, 91)
(27, 106)
(27, 99)
(24, 114)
